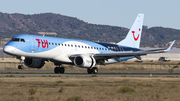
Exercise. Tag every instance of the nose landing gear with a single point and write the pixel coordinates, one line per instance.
(21, 62)
(20, 67)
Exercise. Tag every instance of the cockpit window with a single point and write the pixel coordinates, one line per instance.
(22, 40)
(17, 40)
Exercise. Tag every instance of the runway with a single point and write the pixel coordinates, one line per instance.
(82, 73)
(90, 75)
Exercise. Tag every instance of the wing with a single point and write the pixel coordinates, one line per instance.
(117, 55)
(137, 54)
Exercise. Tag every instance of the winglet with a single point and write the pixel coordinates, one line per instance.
(169, 48)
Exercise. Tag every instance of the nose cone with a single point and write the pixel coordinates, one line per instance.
(8, 49)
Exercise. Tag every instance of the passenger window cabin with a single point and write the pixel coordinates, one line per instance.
(71, 45)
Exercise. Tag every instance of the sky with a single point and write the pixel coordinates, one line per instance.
(122, 13)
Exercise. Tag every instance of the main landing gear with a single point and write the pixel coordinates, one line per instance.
(93, 70)
(58, 70)
(21, 62)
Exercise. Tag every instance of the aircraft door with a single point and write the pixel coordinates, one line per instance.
(33, 43)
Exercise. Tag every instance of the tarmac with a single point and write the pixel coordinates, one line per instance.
(82, 73)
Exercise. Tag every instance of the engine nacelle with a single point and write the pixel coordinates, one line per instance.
(84, 61)
(34, 63)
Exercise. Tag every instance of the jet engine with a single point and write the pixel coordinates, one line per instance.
(84, 61)
(34, 63)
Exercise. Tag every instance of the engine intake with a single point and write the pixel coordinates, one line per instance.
(34, 63)
(84, 61)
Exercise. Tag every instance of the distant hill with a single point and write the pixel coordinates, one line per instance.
(70, 27)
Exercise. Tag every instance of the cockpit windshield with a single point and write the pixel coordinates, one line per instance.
(17, 40)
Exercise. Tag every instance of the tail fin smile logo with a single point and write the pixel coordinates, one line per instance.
(134, 35)
(133, 38)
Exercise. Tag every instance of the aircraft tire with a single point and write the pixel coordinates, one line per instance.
(94, 70)
(61, 70)
(56, 70)
(20, 66)
(89, 71)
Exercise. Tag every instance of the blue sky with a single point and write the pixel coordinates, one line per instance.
(121, 13)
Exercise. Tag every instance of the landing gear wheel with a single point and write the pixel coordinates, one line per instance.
(20, 66)
(58, 70)
(61, 70)
(21, 62)
(89, 71)
(94, 70)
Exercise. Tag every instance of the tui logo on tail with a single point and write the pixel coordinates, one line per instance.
(134, 35)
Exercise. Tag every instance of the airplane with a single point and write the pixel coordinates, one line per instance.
(34, 50)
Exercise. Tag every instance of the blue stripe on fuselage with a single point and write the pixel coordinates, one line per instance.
(115, 47)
